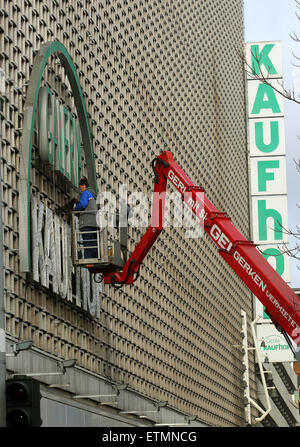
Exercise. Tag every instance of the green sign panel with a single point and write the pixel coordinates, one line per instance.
(60, 136)
(267, 156)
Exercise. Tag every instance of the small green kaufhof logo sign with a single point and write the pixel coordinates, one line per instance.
(275, 342)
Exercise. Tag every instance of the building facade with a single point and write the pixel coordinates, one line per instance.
(155, 75)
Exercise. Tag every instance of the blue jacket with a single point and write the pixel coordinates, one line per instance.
(87, 204)
(84, 200)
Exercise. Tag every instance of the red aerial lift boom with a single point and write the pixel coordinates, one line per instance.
(281, 303)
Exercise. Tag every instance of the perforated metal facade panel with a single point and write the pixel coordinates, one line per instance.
(156, 74)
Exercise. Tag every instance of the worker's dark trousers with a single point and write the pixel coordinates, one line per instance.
(89, 240)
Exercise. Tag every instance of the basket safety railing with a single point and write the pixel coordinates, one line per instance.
(99, 246)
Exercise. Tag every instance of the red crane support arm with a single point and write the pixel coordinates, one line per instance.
(281, 303)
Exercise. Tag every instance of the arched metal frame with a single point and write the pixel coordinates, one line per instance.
(40, 62)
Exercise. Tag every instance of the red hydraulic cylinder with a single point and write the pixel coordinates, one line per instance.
(157, 218)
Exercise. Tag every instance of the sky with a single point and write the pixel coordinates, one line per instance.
(270, 20)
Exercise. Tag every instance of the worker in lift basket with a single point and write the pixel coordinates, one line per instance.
(86, 203)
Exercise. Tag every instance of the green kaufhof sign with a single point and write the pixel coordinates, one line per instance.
(64, 136)
(59, 136)
(267, 168)
(274, 347)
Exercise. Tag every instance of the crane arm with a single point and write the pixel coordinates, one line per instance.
(280, 301)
